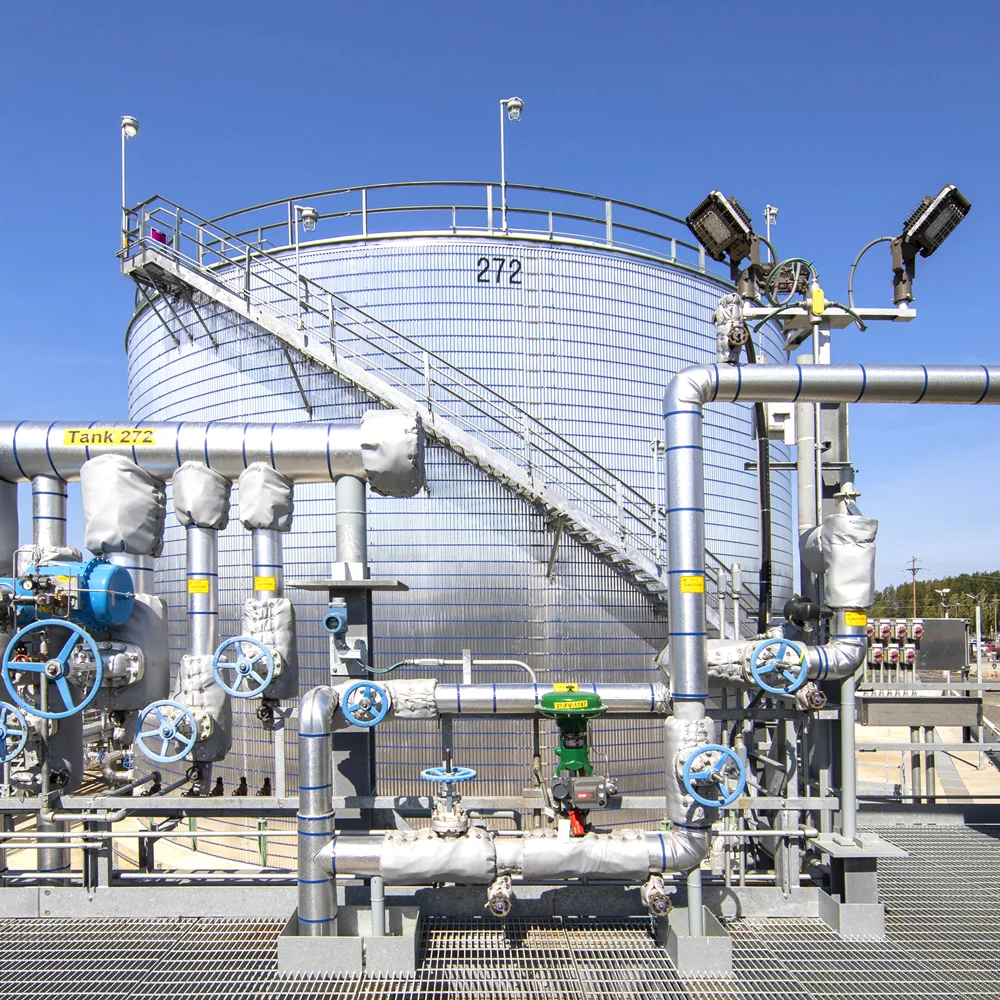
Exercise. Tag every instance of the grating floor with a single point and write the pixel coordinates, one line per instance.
(943, 916)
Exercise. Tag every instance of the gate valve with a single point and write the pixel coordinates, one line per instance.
(911, 656)
(365, 704)
(894, 655)
(918, 631)
(901, 630)
(653, 894)
(708, 766)
(885, 631)
(250, 673)
(777, 674)
(170, 723)
(67, 670)
(13, 732)
(870, 631)
(500, 897)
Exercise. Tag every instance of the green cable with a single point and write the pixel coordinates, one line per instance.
(385, 670)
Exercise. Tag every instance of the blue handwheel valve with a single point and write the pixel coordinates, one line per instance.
(700, 771)
(249, 674)
(166, 731)
(783, 677)
(57, 670)
(13, 732)
(365, 704)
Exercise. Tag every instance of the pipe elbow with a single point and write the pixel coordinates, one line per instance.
(318, 708)
(837, 659)
(692, 386)
(680, 849)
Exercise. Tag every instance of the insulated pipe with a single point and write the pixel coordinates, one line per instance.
(805, 478)
(267, 563)
(386, 449)
(140, 568)
(203, 590)
(48, 511)
(685, 398)
(523, 699)
(8, 527)
(352, 531)
(317, 909)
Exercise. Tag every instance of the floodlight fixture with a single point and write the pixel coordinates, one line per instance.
(130, 126)
(934, 219)
(928, 226)
(309, 218)
(514, 108)
(722, 226)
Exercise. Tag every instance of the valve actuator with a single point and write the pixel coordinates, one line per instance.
(96, 594)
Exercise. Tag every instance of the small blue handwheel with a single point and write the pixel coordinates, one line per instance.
(249, 674)
(714, 776)
(170, 724)
(442, 776)
(57, 670)
(794, 675)
(13, 732)
(369, 704)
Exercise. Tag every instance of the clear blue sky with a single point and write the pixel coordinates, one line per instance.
(843, 115)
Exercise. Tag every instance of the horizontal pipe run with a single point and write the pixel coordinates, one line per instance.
(523, 699)
(301, 452)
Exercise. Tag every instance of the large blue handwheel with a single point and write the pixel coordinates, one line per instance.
(705, 777)
(57, 669)
(367, 710)
(168, 722)
(794, 678)
(442, 776)
(249, 674)
(13, 732)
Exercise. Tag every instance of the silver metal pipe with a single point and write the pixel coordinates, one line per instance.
(523, 699)
(848, 762)
(51, 860)
(48, 511)
(378, 905)
(8, 527)
(140, 568)
(696, 916)
(386, 449)
(268, 565)
(352, 528)
(805, 466)
(203, 590)
(317, 895)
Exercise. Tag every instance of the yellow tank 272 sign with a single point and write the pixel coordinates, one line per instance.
(92, 437)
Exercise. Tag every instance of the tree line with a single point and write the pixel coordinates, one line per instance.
(964, 591)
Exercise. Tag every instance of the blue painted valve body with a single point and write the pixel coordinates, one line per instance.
(94, 594)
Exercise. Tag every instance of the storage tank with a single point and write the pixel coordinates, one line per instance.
(578, 314)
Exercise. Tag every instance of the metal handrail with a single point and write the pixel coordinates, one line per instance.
(226, 256)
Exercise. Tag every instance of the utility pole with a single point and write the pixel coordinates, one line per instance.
(913, 569)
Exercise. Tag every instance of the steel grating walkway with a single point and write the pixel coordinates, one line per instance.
(943, 916)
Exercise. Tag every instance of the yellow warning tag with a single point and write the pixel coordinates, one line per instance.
(855, 618)
(265, 583)
(94, 437)
(566, 688)
(570, 704)
(199, 586)
(692, 585)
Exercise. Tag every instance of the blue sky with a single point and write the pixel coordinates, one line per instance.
(843, 115)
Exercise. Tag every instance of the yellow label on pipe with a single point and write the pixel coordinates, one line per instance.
(570, 704)
(94, 437)
(199, 586)
(265, 583)
(692, 585)
(566, 688)
(855, 618)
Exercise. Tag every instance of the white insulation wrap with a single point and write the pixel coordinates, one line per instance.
(843, 548)
(265, 498)
(415, 857)
(195, 687)
(201, 496)
(124, 507)
(619, 854)
(272, 622)
(392, 448)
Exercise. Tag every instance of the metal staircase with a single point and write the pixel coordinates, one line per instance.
(183, 264)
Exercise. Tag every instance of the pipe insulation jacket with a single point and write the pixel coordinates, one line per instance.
(386, 449)
(523, 699)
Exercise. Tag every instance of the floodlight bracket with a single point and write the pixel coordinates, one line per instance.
(904, 267)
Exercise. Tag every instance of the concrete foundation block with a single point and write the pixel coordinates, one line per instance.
(709, 955)
(852, 920)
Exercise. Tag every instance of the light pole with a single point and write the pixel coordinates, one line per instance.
(944, 594)
(130, 127)
(770, 219)
(513, 106)
(308, 217)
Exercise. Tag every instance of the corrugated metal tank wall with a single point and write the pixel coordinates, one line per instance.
(586, 342)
